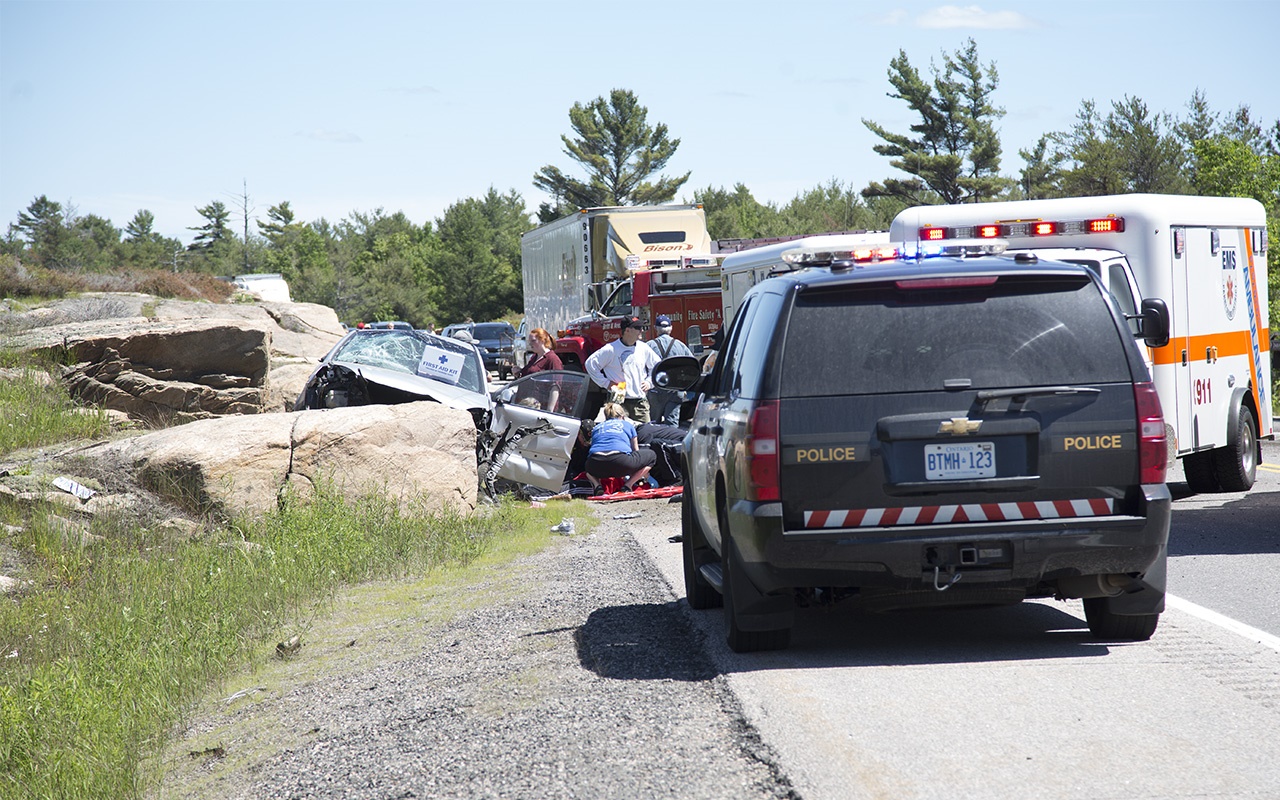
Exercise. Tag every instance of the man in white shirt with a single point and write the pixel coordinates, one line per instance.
(626, 360)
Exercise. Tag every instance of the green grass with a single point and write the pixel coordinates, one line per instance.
(116, 635)
(36, 412)
(122, 636)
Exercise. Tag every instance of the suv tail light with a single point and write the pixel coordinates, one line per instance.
(762, 452)
(1152, 448)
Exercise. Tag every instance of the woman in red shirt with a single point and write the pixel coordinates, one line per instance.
(540, 393)
(544, 358)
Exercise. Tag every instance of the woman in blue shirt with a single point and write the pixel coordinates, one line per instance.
(615, 452)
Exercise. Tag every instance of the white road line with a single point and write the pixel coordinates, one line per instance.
(1253, 634)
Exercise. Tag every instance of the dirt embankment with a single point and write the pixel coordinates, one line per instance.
(572, 673)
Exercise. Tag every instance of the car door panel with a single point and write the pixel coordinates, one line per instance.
(554, 397)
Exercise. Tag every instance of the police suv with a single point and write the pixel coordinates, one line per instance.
(954, 427)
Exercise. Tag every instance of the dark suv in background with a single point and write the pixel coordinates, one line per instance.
(494, 340)
(906, 433)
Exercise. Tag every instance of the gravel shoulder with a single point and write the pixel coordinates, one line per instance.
(573, 672)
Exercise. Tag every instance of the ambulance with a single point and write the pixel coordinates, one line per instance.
(1205, 258)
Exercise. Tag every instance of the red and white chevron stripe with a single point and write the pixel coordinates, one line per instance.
(969, 512)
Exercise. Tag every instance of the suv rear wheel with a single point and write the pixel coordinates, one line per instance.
(1106, 624)
(744, 640)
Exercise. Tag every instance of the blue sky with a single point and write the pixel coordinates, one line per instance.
(338, 107)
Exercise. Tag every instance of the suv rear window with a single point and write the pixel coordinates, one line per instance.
(1018, 331)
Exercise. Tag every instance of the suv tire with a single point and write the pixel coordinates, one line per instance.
(1106, 624)
(693, 545)
(744, 641)
(1236, 465)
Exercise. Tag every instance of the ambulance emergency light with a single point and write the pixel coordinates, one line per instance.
(1017, 229)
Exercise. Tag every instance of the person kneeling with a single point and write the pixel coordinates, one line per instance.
(615, 452)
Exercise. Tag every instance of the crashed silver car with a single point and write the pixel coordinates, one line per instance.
(381, 366)
(527, 429)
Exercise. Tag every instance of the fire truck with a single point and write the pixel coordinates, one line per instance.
(584, 273)
(688, 293)
(571, 265)
(1205, 258)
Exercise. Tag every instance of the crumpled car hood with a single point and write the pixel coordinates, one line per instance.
(452, 396)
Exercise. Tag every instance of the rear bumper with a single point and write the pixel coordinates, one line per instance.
(1024, 555)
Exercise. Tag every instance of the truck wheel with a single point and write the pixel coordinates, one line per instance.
(1236, 465)
(1105, 624)
(743, 641)
(696, 551)
(1202, 478)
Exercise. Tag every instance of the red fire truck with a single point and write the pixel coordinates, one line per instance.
(689, 294)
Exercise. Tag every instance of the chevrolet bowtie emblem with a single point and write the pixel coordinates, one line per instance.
(960, 426)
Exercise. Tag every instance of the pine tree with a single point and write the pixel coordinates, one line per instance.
(619, 150)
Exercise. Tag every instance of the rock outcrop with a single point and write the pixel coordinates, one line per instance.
(185, 361)
(216, 367)
(160, 371)
(416, 453)
(298, 330)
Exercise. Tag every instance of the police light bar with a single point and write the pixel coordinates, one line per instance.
(956, 248)
(817, 256)
(1021, 228)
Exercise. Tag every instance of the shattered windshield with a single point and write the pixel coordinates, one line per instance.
(416, 353)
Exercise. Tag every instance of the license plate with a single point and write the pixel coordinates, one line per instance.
(952, 462)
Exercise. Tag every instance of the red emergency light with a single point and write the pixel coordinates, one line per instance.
(998, 230)
(1108, 225)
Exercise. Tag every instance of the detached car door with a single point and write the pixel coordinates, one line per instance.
(555, 397)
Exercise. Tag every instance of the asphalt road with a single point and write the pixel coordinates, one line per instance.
(1022, 701)
(1224, 549)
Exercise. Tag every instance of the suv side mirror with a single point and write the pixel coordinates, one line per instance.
(1153, 322)
(677, 373)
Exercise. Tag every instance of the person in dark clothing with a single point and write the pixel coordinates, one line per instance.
(664, 404)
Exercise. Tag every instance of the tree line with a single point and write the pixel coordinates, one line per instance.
(466, 263)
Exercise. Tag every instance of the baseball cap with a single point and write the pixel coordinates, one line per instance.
(663, 321)
(633, 322)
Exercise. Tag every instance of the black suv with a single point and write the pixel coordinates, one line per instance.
(917, 432)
